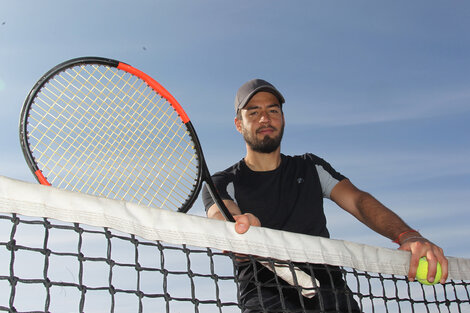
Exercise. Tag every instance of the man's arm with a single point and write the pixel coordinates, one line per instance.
(242, 221)
(379, 218)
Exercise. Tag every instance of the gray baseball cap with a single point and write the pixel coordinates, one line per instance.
(250, 88)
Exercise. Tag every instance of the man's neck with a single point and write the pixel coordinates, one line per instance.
(262, 162)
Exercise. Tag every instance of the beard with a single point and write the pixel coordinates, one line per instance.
(264, 145)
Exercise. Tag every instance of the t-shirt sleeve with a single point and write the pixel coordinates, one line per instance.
(328, 176)
(221, 181)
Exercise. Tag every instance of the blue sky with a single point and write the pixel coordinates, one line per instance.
(381, 90)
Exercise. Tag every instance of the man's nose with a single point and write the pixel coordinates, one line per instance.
(264, 117)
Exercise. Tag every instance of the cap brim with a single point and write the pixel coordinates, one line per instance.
(274, 91)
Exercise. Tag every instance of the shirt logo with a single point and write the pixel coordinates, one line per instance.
(300, 180)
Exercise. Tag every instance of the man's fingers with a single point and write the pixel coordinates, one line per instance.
(241, 227)
(444, 266)
(432, 267)
(244, 221)
(445, 270)
(434, 254)
(414, 262)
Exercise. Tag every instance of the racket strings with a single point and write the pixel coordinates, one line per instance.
(85, 126)
(150, 101)
(100, 130)
(75, 136)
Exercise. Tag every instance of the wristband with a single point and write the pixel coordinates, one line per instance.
(412, 237)
(403, 233)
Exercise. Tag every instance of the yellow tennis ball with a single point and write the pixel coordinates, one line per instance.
(422, 272)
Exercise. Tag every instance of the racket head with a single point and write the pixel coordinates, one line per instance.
(100, 126)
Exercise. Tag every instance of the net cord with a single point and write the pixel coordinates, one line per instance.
(179, 228)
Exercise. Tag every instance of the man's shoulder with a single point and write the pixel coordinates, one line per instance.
(309, 159)
(230, 171)
(321, 166)
(306, 157)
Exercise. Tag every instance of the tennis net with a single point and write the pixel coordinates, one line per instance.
(63, 251)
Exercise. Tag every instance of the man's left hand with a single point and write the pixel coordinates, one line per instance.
(421, 247)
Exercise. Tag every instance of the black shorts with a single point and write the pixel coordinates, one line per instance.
(263, 292)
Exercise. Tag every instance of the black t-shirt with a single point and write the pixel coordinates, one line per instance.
(288, 198)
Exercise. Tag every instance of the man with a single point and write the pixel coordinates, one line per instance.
(286, 192)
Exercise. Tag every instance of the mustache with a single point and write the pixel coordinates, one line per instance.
(266, 127)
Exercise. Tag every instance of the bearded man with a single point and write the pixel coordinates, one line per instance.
(267, 188)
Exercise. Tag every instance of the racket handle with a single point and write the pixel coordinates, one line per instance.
(220, 203)
(304, 280)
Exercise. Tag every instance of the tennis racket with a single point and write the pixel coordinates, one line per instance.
(102, 127)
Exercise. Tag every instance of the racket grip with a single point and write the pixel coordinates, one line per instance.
(305, 281)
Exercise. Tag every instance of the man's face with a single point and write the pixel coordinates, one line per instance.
(262, 122)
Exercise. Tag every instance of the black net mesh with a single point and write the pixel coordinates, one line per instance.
(52, 266)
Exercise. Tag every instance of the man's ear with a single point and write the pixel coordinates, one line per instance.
(238, 125)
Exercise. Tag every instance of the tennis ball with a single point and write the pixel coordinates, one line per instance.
(422, 272)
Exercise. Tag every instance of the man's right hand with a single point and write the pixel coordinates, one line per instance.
(244, 221)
